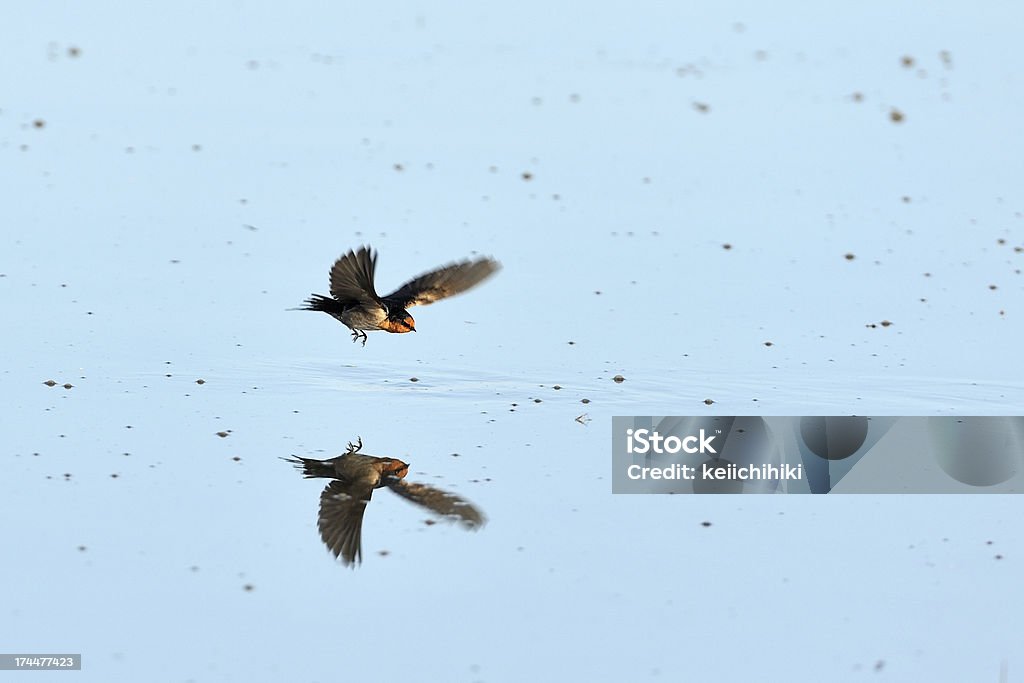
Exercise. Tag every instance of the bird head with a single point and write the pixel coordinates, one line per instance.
(395, 468)
(400, 322)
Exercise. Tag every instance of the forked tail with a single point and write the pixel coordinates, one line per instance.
(312, 468)
(319, 302)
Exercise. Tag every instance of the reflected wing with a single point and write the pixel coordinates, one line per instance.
(436, 500)
(352, 277)
(444, 282)
(341, 520)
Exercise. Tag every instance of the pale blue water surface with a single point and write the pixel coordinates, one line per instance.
(176, 177)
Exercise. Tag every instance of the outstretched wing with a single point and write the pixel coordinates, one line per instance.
(341, 520)
(352, 277)
(444, 282)
(438, 501)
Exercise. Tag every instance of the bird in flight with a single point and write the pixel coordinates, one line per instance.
(355, 302)
(355, 476)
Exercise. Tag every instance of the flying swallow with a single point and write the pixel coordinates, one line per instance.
(354, 300)
(355, 477)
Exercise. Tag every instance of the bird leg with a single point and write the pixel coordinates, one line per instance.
(357, 335)
(354, 448)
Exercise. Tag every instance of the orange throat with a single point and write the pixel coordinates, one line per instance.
(394, 326)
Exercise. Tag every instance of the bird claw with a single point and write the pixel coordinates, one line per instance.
(357, 335)
(355, 448)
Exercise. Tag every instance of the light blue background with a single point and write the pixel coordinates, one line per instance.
(133, 264)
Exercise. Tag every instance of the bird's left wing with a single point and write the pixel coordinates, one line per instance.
(438, 501)
(442, 283)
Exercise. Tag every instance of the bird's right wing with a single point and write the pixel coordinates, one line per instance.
(438, 501)
(352, 277)
(341, 520)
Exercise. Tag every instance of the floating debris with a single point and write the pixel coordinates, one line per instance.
(618, 379)
(50, 383)
(583, 419)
